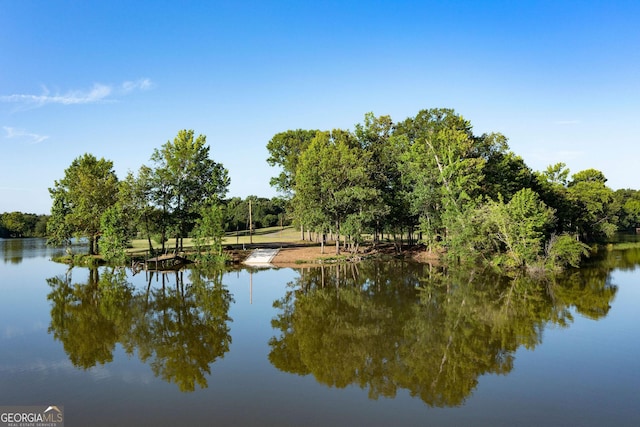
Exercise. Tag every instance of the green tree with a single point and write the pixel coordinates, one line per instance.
(384, 150)
(120, 221)
(59, 232)
(627, 202)
(521, 226)
(285, 149)
(596, 213)
(19, 224)
(444, 168)
(88, 189)
(209, 232)
(183, 180)
(332, 186)
(551, 185)
(505, 173)
(115, 236)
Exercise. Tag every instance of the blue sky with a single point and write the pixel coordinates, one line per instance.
(560, 79)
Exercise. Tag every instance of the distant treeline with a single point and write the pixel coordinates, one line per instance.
(265, 212)
(18, 224)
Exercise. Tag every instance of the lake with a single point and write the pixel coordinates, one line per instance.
(374, 344)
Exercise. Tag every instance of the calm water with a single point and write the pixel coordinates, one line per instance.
(372, 344)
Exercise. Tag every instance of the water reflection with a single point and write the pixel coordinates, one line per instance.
(391, 326)
(178, 325)
(14, 251)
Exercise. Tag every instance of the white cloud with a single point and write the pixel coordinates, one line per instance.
(23, 136)
(97, 93)
(141, 84)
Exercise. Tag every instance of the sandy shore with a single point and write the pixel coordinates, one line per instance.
(300, 256)
(297, 256)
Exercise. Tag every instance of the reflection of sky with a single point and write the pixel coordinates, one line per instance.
(15, 250)
(584, 373)
(24, 307)
(597, 360)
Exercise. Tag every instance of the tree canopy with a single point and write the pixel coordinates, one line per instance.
(89, 187)
(466, 195)
(164, 200)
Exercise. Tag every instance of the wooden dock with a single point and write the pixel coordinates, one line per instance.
(166, 262)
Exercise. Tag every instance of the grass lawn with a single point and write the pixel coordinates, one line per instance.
(262, 235)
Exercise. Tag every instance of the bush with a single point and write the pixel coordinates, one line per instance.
(564, 250)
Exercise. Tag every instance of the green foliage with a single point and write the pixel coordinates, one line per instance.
(264, 213)
(444, 167)
(432, 174)
(115, 236)
(183, 180)
(332, 185)
(18, 224)
(627, 204)
(551, 185)
(428, 332)
(384, 150)
(564, 250)
(285, 149)
(180, 330)
(89, 187)
(522, 224)
(594, 206)
(505, 174)
(510, 235)
(208, 234)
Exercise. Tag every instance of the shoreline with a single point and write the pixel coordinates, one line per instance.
(310, 255)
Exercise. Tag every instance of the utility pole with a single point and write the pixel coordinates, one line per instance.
(250, 225)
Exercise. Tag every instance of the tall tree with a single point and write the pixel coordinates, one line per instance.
(596, 219)
(120, 221)
(628, 204)
(333, 190)
(444, 168)
(384, 150)
(285, 149)
(88, 189)
(185, 179)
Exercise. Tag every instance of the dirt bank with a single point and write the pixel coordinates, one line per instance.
(304, 255)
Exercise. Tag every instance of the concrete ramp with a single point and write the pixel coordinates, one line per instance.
(261, 256)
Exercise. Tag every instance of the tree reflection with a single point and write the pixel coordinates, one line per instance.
(88, 318)
(397, 326)
(179, 328)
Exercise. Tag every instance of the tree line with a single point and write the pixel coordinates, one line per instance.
(179, 194)
(18, 224)
(431, 178)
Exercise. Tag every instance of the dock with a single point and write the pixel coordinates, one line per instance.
(166, 262)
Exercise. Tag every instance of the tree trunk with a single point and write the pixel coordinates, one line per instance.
(92, 244)
(146, 225)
